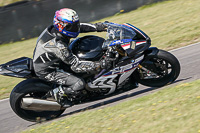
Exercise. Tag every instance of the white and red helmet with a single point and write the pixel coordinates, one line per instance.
(67, 22)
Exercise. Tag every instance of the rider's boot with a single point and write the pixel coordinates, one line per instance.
(61, 97)
(76, 96)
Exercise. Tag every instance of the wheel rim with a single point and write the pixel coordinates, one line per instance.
(163, 68)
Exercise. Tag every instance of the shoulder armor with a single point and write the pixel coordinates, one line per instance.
(45, 37)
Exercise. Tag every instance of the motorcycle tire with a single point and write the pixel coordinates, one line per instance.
(169, 62)
(36, 88)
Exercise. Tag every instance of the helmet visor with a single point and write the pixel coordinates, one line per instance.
(72, 27)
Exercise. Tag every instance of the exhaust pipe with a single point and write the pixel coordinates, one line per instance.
(39, 105)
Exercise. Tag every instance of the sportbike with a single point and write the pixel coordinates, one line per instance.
(129, 60)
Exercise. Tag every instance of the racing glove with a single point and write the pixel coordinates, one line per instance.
(82, 66)
(100, 27)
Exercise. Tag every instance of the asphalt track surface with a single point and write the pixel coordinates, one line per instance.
(188, 56)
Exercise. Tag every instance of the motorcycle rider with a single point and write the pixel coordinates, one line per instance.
(52, 49)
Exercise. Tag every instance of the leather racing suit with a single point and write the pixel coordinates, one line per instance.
(52, 49)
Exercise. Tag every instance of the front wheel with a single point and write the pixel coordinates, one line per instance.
(164, 65)
(34, 88)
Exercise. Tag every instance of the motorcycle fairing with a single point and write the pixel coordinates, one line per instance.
(20, 68)
(106, 80)
(122, 41)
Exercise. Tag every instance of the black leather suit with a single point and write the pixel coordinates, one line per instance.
(51, 50)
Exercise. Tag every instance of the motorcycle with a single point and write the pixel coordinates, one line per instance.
(128, 60)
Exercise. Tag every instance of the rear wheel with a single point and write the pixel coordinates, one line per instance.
(164, 65)
(31, 88)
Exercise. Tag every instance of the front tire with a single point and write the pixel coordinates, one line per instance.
(164, 64)
(34, 88)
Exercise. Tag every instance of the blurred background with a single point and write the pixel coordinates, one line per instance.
(170, 24)
(26, 19)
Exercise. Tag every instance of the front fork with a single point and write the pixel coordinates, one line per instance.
(146, 73)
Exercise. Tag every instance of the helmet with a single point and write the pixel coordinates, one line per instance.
(66, 21)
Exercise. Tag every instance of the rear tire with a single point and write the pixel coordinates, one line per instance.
(34, 87)
(168, 66)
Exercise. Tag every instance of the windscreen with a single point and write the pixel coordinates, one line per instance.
(118, 32)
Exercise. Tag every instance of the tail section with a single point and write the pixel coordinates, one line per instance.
(20, 68)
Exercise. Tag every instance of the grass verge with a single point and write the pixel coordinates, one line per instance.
(170, 24)
(6, 2)
(171, 110)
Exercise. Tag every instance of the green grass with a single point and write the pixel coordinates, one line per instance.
(6, 2)
(171, 110)
(170, 24)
